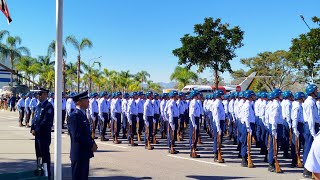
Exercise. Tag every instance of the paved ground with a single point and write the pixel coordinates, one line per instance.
(124, 162)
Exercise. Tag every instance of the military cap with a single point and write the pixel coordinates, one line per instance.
(80, 96)
(41, 90)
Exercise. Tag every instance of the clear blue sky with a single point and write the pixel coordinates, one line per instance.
(141, 34)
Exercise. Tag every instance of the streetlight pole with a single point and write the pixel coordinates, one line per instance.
(301, 16)
(90, 70)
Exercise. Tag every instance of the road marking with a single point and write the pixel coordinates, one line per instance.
(16, 127)
(112, 145)
(196, 160)
(11, 117)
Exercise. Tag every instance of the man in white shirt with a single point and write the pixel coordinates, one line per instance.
(21, 108)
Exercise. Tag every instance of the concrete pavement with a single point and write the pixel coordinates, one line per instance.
(124, 162)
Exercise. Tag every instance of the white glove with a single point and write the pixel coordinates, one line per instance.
(219, 131)
(195, 126)
(130, 122)
(146, 123)
(289, 124)
(297, 134)
(115, 119)
(274, 133)
(172, 126)
(137, 119)
(249, 130)
(102, 119)
(154, 121)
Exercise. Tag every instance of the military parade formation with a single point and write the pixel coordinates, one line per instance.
(273, 122)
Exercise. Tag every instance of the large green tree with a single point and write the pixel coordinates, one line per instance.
(91, 71)
(213, 46)
(13, 51)
(142, 77)
(79, 45)
(277, 65)
(306, 49)
(183, 76)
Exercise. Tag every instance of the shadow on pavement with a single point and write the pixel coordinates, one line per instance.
(119, 178)
(214, 177)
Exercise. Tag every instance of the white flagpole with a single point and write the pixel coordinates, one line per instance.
(58, 91)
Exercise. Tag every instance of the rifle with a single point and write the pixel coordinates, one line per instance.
(148, 138)
(178, 131)
(93, 132)
(299, 163)
(250, 163)
(275, 155)
(154, 132)
(193, 146)
(220, 160)
(290, 137)
(115, 131)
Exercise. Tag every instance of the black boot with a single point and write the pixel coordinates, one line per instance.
(306, 173)
(271, 168)
(244, 162)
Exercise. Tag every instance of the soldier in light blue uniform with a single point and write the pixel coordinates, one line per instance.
(194, 115)
(173, 117)
(148, 113)
(124, 118)
(51, 98)
(27, 108)
(286, 113)
(104, 109)
(163, 120)
(181, 107)
(140, 121)
(156, 106)
(64, 106)
(132, 113)
(93, 112)
(33, 104)
(311, 122)
(21, 108)
(116, 117)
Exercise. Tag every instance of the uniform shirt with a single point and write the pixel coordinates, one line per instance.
(21, 103)
(93, 107)
(225, 106)
(275, 116)
(140, 105)
(148, 109)
(217, 111)
(256, 107)
(231, 106)
(313, 159)
(132, 107)
(70, 105)
(318, 106)
(286, 110)
(162, 106)
(156, 106)
(27, 102)
(51, 100)
(296, 115)
(124, 106)
(248, 114)
(33, 103)
(262, 111)
(173, 111)
(103, 106)
(194, 111)
(239, 107)
(267, 112)
(116, 107)
(310, 114)
(64, 104)
(165, 111)
(236, 108)
(181, 106)
(201, 107)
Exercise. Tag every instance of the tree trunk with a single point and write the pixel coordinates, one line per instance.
(89, 83)
(78, 74)
(64, 75)
(11, 74)
(216, 76)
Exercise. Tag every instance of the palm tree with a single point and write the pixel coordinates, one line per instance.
(183, 76)
(12, 51)
(90, 71)
(52, 50)
(47, 71)
(24, 65)
(79, 46)
(71, 73)
(141, 77)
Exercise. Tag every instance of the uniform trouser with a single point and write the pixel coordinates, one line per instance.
(285, 137)
(13, 107)
(308, 140)
(181, 124)
(223, 128)
(141, 123)
(42, 148)
(244, 138)
(293, 142)
(262, 136)
(80, 169)
(63, 118)
(105, 123)
(271, 147)
(21, 114)
(132, 129)
(124, 120)
(172, 135)
(259, 132)
(214, 132)
(28, 114)
(196, 119)
(96, 121)
(207, 120)
(116, 125)
(230, 125)
(150, 129)
(163, 125)
(157, 118)
(186, 115)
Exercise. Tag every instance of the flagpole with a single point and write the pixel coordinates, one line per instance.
(58, 91)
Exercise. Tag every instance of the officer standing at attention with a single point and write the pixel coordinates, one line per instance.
(194, 114)
(27, 109)
(64, 106)
(21, 108)
(82, 144)
(104, 108)
(148, 113)
(41, 129)
(311, 122)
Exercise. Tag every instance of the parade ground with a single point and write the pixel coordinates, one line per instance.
(121, 161)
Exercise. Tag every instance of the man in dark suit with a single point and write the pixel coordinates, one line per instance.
(41, 129)
(82, 144)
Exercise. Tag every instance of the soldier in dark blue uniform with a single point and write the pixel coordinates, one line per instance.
(41, 129)
(82, 144)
